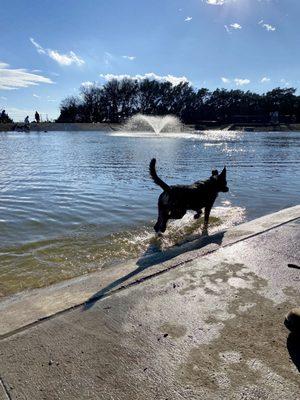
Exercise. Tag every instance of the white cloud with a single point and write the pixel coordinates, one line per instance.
(225, 80)
(241, 82)
(227, 29)
(108, 58)
(188, 19)
(36, 96)
(3, 98)
(61, 59)
(87, 84)
(285, 82)
(215, 2)
(175, 80)
(11, 79)
(38, 47)
(265, 79)
(267, 27)
(131, 58)
(236, 26)
(65, 59)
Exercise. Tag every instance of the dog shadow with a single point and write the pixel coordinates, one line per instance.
(293, 346)
(155, 255)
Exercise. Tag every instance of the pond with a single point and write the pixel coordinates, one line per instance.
(75, 202)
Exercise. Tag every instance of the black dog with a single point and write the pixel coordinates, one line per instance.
(174, 202)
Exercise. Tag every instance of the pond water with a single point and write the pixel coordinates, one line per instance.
(74, 202)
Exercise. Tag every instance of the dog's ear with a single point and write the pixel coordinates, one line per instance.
(223, 173)
(214, 172)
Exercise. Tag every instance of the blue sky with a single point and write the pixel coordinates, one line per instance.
(49, 48)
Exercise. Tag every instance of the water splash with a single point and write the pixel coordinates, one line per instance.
(46, 262)
(157, 124)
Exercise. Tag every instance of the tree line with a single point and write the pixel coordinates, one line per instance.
(117, 100)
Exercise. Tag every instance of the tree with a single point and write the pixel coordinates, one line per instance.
(119, 99)
(71, 110)
(4, 118)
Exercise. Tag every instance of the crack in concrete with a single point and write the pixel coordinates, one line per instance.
(5, 390)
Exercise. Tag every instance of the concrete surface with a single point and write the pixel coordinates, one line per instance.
(209, 327)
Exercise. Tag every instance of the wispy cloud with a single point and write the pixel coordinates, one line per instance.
(36, 96)
(3, 98)
(62, 59)
(236, 26)
(3, 65)
(237, 81)
(131, 58)
(188, 19)
(267, 27)
(11, 79)
(241, 82)
(174, 80)
(265, 79)
(225, 80)
(215, 2)
(285, 82)
(108, 58)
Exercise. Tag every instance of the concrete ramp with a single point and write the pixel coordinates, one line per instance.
(204, 324)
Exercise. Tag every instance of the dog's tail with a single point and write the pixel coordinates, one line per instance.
(155, 178)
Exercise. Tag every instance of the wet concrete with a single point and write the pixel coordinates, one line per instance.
(208, 328)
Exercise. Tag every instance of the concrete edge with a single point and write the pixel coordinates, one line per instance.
(28, 308)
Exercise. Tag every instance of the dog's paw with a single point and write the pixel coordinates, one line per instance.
(204, 231)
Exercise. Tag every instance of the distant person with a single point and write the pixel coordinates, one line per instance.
(26, 120)
(37, 117)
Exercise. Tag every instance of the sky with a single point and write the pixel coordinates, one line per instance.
(48, 49)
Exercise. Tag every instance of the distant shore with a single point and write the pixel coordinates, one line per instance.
(106, 127)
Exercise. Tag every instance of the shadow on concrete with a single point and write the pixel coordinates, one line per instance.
(153, 256)
(293, 346)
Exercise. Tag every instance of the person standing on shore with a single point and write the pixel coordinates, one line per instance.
(26, 120)
(37, 117)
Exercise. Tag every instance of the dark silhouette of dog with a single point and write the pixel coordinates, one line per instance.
(175, 200)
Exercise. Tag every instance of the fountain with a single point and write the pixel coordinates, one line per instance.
(157, 124)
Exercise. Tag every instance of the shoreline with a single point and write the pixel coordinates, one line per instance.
(107, 127)
(43, 303)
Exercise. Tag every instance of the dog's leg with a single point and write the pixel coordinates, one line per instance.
(162, 220)
(206, 218)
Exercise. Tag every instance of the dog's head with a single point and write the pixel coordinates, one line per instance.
(220, 180)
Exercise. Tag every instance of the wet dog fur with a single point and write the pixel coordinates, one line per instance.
(175, 200)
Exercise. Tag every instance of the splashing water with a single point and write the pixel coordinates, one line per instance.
(46, 262)
(157, 124)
